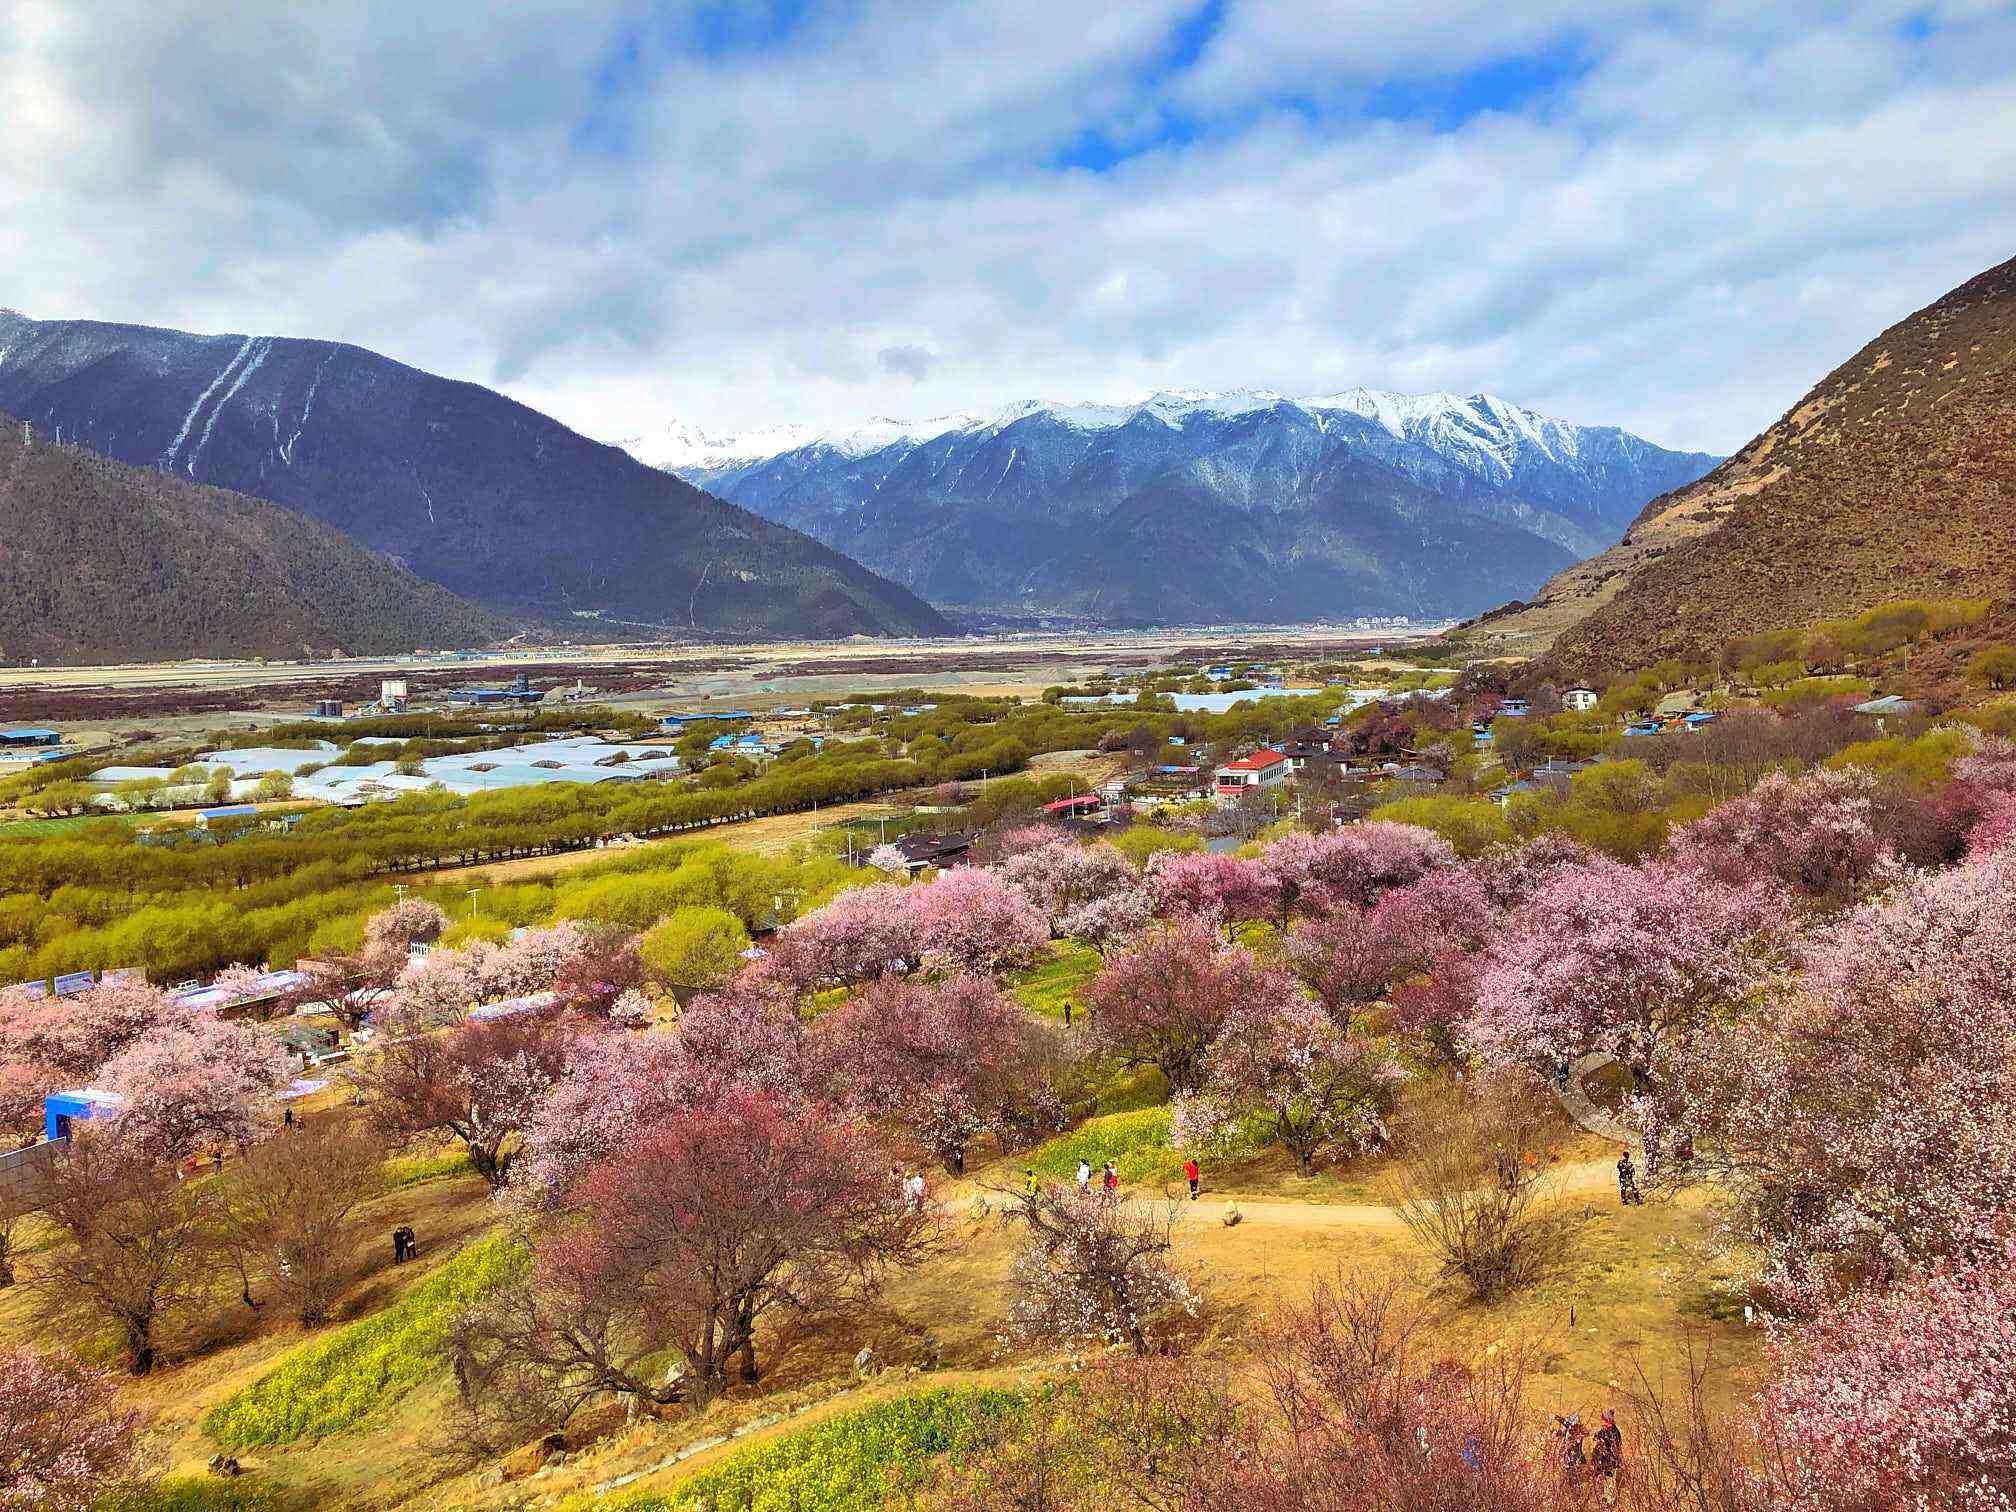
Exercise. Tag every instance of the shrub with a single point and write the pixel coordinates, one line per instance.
(334, 1382)
(1995, 667)
(1490, 1227)
(858, 1462)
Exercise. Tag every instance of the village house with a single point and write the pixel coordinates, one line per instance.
(1262, 769)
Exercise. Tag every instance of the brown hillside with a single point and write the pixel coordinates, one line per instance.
(1894, 478)
(104, 562)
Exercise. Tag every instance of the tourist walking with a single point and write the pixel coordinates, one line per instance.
(1111, 1182)
(1084, 1177)
(1627, 1181)
(1608, 1460)
(1574, 1460)
(1191, 1175)
(1029, 1182)
(913, 1192)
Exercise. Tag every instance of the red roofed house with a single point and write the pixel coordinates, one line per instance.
(1262, 769)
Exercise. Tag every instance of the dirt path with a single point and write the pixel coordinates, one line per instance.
(1294, 1214)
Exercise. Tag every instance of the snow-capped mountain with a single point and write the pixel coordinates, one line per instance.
(1196, 505)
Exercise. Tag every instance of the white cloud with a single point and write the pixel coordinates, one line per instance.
(1678, 230)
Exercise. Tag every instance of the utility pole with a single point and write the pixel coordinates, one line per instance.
(399, 891)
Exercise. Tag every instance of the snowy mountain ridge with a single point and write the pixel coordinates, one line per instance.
(1482, 425)
(1202, 505)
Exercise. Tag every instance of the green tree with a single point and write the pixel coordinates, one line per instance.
(1469, 824)
(695, 948)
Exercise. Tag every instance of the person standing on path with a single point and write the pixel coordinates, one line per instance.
(1067, 1013)
(1030, 1184)
(1191, 1175)
(1111, 1182)
(913, 1192)
(1627, 1180)
(1084, 1177)
(1608, 1460)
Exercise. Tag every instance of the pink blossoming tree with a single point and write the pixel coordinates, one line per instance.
(973, 921)
(1815, 833)
(75, 1035)
(1856, 1115)
(1108, 922)
(860, 936)
(200, 1083)
(64, 1439)
(1513, 875)
(1628, 959)
(1899, 1400)
(949, 1061)
(1206, 886)
(397, 929)
(1058, 880)
(1286, 1065)
(1163, 1001)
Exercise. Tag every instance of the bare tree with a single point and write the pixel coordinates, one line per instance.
(1463, 1191)
(284, 1213)
(137, 1246)
(1688, 1458)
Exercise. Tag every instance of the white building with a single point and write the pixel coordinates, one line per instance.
(1581, 700)
(1263, 769)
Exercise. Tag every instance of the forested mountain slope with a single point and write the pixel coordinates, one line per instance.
(104, 562)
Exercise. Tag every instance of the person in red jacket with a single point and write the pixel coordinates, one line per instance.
(1190, 1174)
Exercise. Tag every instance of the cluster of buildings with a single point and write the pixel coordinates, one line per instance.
(31, 745)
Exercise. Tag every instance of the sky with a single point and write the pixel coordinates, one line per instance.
(1674, 217)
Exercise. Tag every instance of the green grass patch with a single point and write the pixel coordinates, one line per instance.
(857, 1462)
(1066, 971)
(25, 829)
(333, 1383)
(194, 1493)
(1131, 1089)
(434, 1165)
(1137, 1143)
